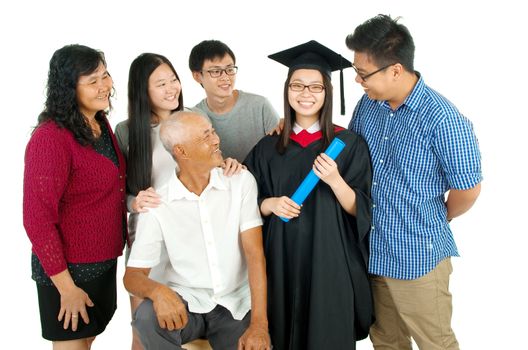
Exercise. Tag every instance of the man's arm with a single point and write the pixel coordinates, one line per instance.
(256, 336)
(460, 201)
(169, 308)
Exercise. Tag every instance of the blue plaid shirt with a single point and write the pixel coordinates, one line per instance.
(419, 151)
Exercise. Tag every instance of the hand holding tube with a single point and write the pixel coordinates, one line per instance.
(311, 180)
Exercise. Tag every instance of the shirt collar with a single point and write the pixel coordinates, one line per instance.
(178, 191)
(312, 129)
(413, 100)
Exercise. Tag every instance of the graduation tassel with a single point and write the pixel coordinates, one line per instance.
(342, 92)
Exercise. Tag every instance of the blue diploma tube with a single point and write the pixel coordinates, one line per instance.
(309, 182)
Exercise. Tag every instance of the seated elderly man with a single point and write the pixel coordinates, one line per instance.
(210, 227)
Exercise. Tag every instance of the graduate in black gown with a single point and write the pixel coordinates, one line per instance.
(318, 291)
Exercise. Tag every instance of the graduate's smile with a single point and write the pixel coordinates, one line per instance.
(307, 104)
(302, 99)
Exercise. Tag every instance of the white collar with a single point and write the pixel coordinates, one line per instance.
(178, 191)
(312, 129)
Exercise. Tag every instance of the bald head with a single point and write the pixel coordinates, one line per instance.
(177, 129)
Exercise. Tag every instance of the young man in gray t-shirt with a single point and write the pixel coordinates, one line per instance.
(241, 119)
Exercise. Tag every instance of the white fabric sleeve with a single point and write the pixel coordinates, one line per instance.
(148, 243)
(249, 211)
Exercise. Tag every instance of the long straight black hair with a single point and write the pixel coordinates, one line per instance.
(139, 162)
(325, 115)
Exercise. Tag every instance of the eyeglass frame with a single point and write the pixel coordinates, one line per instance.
(221, 70)
(307, 86)
(365, 77)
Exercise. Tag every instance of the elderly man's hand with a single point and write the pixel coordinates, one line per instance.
(169, 308)
(256, 337)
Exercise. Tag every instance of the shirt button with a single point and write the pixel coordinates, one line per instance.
(120, 176)
(374, 183)
(381, 160)
(392, 114)
(373, 205)
(120, 190)
(372, 227)
(385, 138)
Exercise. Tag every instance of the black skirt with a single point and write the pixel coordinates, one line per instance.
(102, 291)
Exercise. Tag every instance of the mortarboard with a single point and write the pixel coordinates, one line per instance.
(312, 55)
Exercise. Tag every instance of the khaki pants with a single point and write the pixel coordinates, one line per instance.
(419, 308)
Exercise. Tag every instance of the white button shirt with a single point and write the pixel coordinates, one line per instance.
(201, 236)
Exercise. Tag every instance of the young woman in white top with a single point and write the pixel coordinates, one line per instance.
(154, 92)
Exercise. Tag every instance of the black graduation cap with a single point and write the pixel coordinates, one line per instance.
(312, 55)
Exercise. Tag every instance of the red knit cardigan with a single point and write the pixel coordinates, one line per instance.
(74, 199)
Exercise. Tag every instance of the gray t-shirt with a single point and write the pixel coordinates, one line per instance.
(240, 129)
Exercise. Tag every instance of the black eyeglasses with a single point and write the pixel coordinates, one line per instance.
(365, 77)
(217, 72)
(313, 88)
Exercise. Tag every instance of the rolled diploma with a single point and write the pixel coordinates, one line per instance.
(309, 182)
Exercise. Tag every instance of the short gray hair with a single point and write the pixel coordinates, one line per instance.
(175, 130)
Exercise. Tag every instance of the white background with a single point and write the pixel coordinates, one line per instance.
(475, 55)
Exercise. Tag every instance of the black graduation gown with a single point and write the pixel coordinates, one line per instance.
(318, 290)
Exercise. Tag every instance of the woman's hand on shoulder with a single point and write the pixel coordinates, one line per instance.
(145, 199)
(231, 167)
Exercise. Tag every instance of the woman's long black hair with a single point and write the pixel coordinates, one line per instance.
(139, 162)
(325, 116)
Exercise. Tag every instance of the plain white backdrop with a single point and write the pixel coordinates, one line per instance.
(473, 53)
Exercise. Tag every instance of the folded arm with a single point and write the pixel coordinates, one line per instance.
(460, 201)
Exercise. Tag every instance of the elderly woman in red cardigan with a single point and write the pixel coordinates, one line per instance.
(74, 200)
